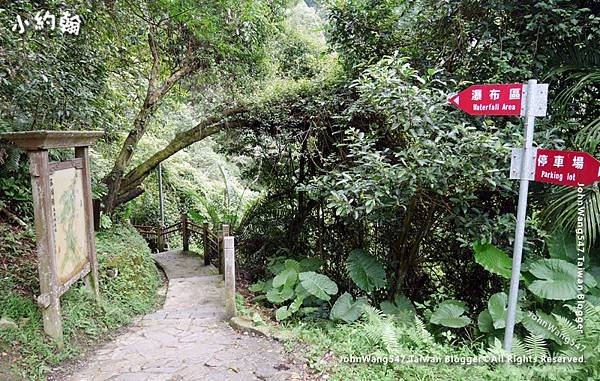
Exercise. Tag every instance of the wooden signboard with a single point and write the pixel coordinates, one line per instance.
(63, 211)
(72, 250)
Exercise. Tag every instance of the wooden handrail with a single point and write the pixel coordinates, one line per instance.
(169, 231)
(178, 224)
(143, 227)
(190, 223)
(212, 238)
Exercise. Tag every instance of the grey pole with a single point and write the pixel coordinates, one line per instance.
(229, 257)
(521, 217)
(161, 201)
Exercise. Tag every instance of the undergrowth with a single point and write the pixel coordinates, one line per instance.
(128, 283)
(411, 353)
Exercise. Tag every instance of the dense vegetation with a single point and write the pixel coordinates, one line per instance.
(128, 283)
(372, 216)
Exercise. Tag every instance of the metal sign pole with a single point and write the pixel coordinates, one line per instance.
(521, 217)
(161, 200)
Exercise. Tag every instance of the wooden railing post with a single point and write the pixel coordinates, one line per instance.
(42, 198)
(206, 246)
(229, 257)
(185, 232)
(160, 242)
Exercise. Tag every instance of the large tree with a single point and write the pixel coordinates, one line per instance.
(186, 39)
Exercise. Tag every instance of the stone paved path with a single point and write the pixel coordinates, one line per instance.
(187, 339)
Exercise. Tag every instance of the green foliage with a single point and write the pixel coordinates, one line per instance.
(122, 251)
(280, 295)
(365, 270)
(557, 279)
(295, 280)
(318, 285)
(450, 314)
(492, 259)
(400, 306)
(568, 209)
(494, 317)
(299, 47)
(562, 245)
(485, 322)
(347, 309)
(15, 183)
(364, 31)
(18, 259)
(536, 346)
(540, 325)
(386, 337)
(40, 67)
(128, 281)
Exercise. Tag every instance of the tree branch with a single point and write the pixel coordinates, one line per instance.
(13, 217)
(155, 70)
(206, 128)
(128, 196)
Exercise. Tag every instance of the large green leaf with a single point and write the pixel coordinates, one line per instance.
(557, 279)
(400, 306)
(290, 264)
(310, 264)
(258, 286)
(276, 265)
(287, 277)
(296, 304)
(262, 286)
(282, 313)
(485, 322)
(450, 314)
(279, 295)
(365, 270)
(318, 285)
(498, 308)
(493, 259)
(562, 245)
(346, 309)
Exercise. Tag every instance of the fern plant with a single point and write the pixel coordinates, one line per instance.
(380, 330)
(420, 335)
(589, 341)
(535, 346)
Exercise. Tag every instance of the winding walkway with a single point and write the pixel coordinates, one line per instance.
(188, 339)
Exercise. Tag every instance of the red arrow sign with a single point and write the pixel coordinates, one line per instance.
(568, 168)
(500, 99)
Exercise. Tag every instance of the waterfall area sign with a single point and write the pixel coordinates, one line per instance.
(499, 99)
(63, 212)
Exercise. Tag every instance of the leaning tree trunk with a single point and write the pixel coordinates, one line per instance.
(154, 95)
(130, 185)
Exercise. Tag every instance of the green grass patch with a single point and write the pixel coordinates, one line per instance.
(128, 283)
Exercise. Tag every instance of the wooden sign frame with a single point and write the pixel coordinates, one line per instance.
(37, 145)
